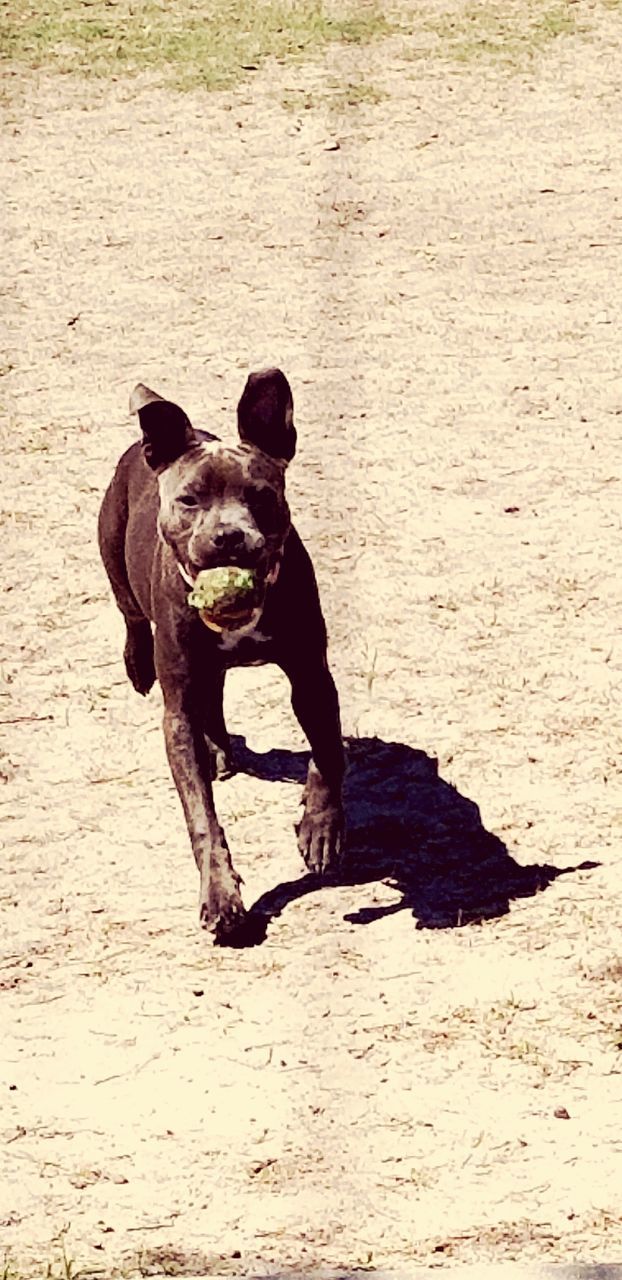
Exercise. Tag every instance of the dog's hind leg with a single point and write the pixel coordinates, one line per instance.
(215, 729)
(138, 655)
(138, 649)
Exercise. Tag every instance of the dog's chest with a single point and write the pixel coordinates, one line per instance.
(247, 647)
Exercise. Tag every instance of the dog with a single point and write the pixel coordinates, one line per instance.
(180, 502)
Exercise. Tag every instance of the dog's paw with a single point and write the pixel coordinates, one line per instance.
(222, 913)
(221, 762)
(138, 656)
(320, 839)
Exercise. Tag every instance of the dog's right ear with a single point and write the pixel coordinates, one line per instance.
(167, 432)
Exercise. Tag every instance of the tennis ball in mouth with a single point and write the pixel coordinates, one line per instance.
(224, 594)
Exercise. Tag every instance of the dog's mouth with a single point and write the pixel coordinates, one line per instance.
(229, 596)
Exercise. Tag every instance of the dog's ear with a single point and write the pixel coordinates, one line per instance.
(167, 432)
(266, 414)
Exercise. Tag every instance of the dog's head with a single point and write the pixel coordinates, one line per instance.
(223, 504)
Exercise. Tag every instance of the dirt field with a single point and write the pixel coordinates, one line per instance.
(421, 1064)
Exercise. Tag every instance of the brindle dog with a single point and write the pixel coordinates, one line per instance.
(181, 501)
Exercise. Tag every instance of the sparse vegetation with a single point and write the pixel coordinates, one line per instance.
(190, 44)
(494, 31)
(334, 96)
(195, 44)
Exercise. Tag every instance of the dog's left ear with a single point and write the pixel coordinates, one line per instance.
(167, 432)
(266, 414)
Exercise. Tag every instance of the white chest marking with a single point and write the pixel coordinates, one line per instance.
(228, 640)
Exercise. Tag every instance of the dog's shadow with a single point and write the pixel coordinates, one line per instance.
(407, 826)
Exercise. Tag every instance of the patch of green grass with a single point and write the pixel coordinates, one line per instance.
(190, 43)
(500, 32)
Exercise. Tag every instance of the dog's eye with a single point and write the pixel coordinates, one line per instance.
(264, 504)
(187, 500)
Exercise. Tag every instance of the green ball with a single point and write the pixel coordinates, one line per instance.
(215, 588)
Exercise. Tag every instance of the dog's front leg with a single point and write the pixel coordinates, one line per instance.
(316, 705)
(221, 907)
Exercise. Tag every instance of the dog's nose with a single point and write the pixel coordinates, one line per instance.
(228, 539)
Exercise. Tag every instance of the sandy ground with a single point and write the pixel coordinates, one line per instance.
(422, 1064)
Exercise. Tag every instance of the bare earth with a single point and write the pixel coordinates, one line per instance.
(422, 1063)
